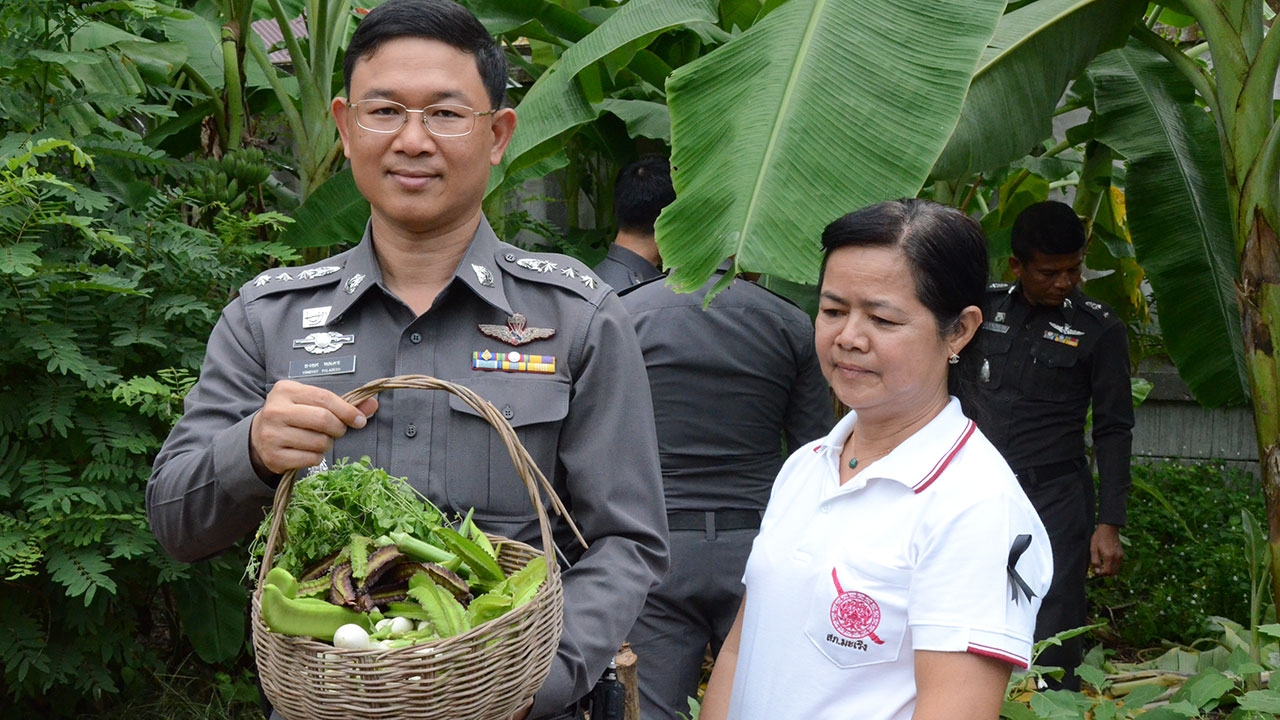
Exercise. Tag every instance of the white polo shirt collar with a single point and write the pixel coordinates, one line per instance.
(916, 463)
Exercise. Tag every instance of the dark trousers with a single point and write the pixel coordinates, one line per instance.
(1065, 503)
(695, 604)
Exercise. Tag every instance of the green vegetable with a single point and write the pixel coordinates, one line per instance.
(351, 498)
(423, 551)
(485, 571)
(446, 614)
(306, 617)
(469, 530)
(283, 580)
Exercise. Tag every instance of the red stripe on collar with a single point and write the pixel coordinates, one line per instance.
(946, 459)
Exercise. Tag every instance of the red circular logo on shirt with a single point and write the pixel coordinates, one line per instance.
(854, 614)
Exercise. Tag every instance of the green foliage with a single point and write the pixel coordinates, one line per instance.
(1185, 555)
(349, 499)
(110, 279)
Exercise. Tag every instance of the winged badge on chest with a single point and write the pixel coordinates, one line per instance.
(516, 331)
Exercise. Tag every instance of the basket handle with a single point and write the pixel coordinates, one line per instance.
(528, 470)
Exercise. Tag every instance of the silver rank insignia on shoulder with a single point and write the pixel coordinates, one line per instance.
(261, 280)
(483, 276)
(588, 281)
(323, 343)
(318, 272)
(1066, 329)
(515, 332)
(999, 317)
(353, 282)
(316, 316)
(536, 265)
(284, 277)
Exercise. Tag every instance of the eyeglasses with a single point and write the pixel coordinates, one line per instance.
(387, 116)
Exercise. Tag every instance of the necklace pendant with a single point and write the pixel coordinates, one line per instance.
(853, 463)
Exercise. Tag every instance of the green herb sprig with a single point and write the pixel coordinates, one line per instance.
(351, 498)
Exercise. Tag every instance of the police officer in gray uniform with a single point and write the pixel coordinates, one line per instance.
(1049, 351)
(431, 290)
(640, 192)
(735, 387)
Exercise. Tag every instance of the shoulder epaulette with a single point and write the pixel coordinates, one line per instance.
(642, 283)
(552, 269)
(284, 279)
(1101, 311)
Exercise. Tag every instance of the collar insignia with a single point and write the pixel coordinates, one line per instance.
(1066, 329)
(1092, 304)
(515, 332)
(353, 282)
(323, 343)
(483, 276)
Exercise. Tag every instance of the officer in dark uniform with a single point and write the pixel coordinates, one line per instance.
(736, 386)
(430, 289)
(1049, 351)
(640, 192)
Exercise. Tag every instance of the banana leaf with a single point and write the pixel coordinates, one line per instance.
(1037, 49)
(822, 107)
(1178, 215)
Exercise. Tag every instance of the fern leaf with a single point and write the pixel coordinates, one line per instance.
(83, 572)
(20, 259)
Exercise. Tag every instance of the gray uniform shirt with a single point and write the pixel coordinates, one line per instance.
(622, 268)
(729, 385)
(578, 400)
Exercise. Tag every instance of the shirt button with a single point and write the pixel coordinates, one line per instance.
(415, 338)
(508, 412)
(510, 257)
(411, 430)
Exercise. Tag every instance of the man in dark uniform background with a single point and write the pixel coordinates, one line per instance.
(731, 384)
(1049, 351)
(640, 192)
(430, 289)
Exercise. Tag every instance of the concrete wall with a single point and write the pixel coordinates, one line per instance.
(1170, 426)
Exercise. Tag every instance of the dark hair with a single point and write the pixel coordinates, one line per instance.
(442, 20)
(946, 252)
(1050, 228)
(640, 192)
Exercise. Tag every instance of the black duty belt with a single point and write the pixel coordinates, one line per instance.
(1048, 471)
(713, 520)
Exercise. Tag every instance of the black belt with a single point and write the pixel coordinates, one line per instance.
(713, 520)
(1049, 471)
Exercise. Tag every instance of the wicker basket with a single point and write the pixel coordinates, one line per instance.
(487, 673)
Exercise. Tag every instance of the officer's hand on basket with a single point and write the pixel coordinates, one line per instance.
(297, 425)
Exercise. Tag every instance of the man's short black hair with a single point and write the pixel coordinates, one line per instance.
(442, 20)
(640, 192)
(1049, 228)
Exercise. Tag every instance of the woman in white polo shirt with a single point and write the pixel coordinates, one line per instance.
(899, 566)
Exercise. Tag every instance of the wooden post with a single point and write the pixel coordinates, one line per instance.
(626, 661)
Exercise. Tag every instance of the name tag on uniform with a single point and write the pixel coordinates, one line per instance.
(995, 326)
(317, 368)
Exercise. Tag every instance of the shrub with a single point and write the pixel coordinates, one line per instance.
(1184, 555)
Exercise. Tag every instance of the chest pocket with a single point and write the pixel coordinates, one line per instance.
(479, 470)
(1056, 373)
(857, 616)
